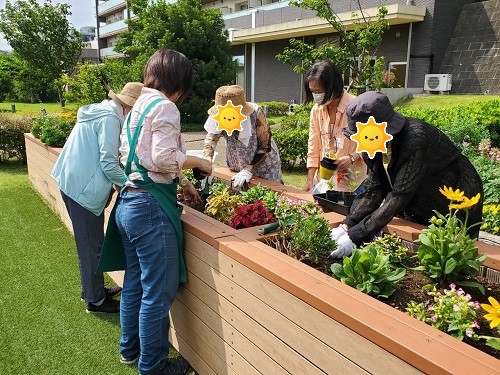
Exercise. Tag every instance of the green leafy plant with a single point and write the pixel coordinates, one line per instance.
(392, 246)
(369, 271)
(52, 130)
(12, 129)
(222, 206)
(491, 218)
(451, 311)
(292, 144)
(446, 252)
(493, 316)
(311, 239)
(261, 193)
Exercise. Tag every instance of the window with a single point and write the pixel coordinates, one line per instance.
(240, 72)
(399, 70)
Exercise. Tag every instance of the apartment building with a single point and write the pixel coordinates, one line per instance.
(415, 45)
(111, 16)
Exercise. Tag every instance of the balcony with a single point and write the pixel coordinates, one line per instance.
(111, 6)
(110, 52)
(113, 29)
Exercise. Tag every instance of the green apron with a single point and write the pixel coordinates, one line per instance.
(113, 254)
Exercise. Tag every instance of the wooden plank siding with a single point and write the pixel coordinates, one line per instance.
(249, 309)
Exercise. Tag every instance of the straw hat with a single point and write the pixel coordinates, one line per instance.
(129, 93)
(234, 93)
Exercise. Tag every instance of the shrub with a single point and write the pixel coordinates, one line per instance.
(489, 171)
(275, 108)
(311, 239)
(292, 144)
(52, 130)
(12, 129)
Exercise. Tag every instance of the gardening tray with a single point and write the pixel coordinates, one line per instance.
(329, 206)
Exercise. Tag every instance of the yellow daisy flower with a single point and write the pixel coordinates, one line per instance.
(493, 311)
(466, 203)
(456, 195)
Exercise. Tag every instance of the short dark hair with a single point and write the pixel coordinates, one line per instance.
(328, 76)
(168, 71)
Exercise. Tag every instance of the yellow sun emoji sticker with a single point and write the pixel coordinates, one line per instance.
(371, 137)
(229, 117)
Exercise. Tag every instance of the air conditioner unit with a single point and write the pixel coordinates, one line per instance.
(437, 82)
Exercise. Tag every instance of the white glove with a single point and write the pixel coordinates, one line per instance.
(336, 233)
(344, 247)
(241, 177)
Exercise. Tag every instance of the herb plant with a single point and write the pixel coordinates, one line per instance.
(311, 239)
(446, 252)
(258, 192)
(369, 271)
(391, 245)
(452, 312)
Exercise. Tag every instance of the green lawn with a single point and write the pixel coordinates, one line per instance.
(445, 101)
(44, 328)
(29, 109)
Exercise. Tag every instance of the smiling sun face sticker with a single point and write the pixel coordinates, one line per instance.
(371, 137)
(229, 117)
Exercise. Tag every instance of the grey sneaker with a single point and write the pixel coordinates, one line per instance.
(129, 360)
(109, 306)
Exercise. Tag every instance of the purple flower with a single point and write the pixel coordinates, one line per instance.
(434, 318)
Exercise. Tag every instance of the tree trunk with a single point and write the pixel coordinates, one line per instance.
(61, 97)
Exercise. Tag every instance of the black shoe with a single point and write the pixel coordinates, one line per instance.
(129, 360)
(174, 367)
(109, 306)
(110, 292)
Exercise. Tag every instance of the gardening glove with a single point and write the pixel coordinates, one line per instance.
(344, 247)
(336, 233)
(241, 177)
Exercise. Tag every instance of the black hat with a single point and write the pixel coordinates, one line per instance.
(376, 104)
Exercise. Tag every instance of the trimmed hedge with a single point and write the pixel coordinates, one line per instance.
(52, 131)
(12, 129)
(469, 123)
(275, 108)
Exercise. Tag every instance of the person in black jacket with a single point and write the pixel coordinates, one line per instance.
(422, 160)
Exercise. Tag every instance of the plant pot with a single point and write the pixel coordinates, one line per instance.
(327, 168)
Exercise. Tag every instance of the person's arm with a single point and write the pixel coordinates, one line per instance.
(209, 145)
(406, 183)
(263, 132)
(109, 143)
(313, 150)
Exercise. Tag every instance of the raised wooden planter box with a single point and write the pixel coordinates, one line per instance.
(249, 309)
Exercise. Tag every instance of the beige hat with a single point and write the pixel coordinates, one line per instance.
(234, 93)
(129, 93)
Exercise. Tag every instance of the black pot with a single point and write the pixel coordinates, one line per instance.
(332, 195)
(348, 199)
(198, 174)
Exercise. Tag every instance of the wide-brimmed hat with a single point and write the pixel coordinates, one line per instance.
(234, 93)
(129, 93)
(376, 104)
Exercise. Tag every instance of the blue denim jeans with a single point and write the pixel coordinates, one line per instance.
(151, 278)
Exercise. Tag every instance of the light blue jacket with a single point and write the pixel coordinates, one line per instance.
(88, 165)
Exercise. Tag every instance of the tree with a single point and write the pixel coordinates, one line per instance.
(8, 70)
(354, 55)
(42, 36)
(187, 27)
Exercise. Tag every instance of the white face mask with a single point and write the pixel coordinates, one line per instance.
(318, 98)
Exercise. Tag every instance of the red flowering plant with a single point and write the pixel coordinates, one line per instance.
(250, 215)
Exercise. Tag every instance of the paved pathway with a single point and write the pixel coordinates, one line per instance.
(194, 141)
